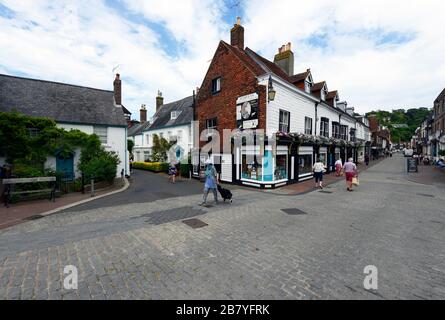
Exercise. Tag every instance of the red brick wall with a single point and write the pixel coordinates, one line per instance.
(236, 80)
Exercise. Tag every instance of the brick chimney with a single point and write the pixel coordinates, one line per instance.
(285, 59)
(159, 101)
(143, 114)
(237, 34)
(117, 89)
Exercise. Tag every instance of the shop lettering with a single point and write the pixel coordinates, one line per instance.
(184, 310)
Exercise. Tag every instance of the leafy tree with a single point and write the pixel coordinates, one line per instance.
(130, 145)
(160, 148)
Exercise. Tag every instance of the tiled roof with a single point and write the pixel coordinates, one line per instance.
(162, 118)
(299, 77)
(59, 101)
(137, 129)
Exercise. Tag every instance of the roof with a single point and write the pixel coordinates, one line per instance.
(440, 96)
(59, 101)
(137, 128)
(331, 95)
(299, 77)
(162, 117)
(125, 110)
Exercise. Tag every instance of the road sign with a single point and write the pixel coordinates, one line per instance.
(411, 165)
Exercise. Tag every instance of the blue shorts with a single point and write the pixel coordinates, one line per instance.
(318, 176)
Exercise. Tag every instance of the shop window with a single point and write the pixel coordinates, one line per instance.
(305, 164)
(284, 121)
(323, 157)
(281, 167)
(251, 167)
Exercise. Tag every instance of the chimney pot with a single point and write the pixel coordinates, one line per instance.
(159, 101)
(237, 35)
(117, 84)
(285, 61)
(143, 114)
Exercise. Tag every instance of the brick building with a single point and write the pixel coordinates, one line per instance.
(301, 120)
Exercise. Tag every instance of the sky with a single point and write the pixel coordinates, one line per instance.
(379, 54)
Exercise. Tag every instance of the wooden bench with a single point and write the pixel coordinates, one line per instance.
(9, 186)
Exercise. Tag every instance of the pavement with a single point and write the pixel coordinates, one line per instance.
(250, 249)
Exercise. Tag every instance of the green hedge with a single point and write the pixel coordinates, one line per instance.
(151, 166)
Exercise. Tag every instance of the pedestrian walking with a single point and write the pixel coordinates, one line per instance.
(318, 168)
(211, 181)
(131, 166)
(338, 167)
(172, 172)
(367, 159)
(350, 170)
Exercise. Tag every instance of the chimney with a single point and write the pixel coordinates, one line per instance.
(117, 89)
(237, 34)
(143, 114)
(285, 59)
(159, 101)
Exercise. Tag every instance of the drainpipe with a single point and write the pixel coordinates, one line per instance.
(316, 116)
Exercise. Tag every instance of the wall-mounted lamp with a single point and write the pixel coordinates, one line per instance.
(272, 91)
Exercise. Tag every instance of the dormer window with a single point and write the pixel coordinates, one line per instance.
(174, 115)
(308, 83)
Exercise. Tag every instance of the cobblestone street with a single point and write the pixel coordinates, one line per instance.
(250, 249)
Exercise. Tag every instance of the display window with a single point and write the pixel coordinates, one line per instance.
(305, 164)
(281, 167)
(251, 167)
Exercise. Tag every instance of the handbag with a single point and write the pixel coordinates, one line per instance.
(355, 181)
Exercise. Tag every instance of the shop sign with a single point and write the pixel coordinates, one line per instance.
(247, 111)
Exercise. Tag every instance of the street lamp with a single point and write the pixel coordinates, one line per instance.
(272, 91)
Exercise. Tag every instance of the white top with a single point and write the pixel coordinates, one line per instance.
(318, 167)
(338, 162)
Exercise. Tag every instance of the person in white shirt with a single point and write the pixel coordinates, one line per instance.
(338, 167)
(318, 168)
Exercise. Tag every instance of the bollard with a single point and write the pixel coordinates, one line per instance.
(92, 187)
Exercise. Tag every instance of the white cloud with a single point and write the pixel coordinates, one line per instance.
(367, 74)
(80, 42)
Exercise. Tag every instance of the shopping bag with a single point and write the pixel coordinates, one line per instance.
(355, 181)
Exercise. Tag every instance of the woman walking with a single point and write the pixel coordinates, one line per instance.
(367, 159)
(210, 182)
(350, 171)
(318, 169)
(172, 172)
(338, 167)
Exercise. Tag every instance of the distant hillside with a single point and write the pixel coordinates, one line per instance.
(402, 123)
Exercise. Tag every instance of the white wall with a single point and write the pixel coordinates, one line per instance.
(116, 141)
(186, 141)
(326, 111)
(288, 100)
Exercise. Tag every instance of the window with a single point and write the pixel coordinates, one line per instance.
(179, 136)
(174, 114)
(281, 167)
(211, 123)
(147, 139)
(101, 132)
(344, 132)
(324, 127)
(161, 135)
(352, 134)
(216, 85)
(33, 132)
(284, 120)
(307, 86)
(304, 164)
(335, 130)
(307, 125)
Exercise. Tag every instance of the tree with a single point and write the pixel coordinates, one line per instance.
(130, 145)
(160, 148)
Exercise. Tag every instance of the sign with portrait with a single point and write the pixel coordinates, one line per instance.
(247, 111)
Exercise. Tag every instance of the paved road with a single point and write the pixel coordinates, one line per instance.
(146, 187)
(250, 249)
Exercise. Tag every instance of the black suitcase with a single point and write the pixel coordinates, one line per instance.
(225, 193)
